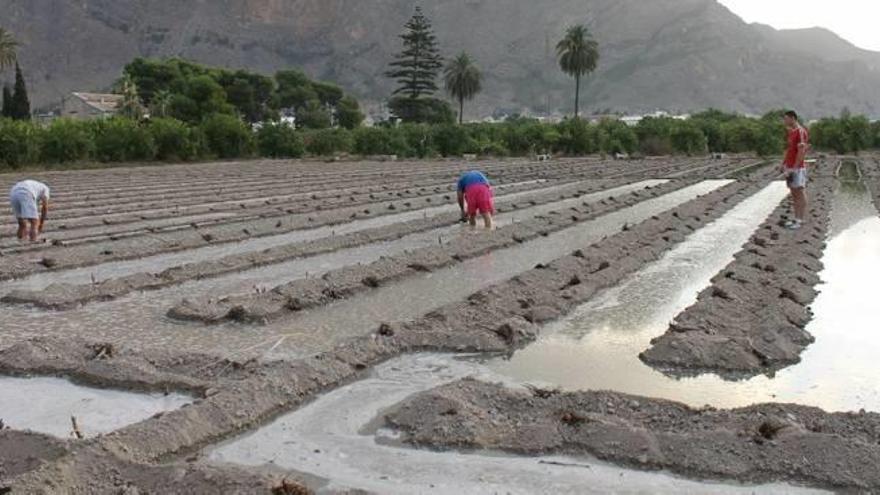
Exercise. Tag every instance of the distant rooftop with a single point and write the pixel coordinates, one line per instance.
(103, 102)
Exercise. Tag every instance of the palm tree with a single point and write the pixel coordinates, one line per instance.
(161, 103)
(463, 81)
(8, 46)
(130, 105)
(578, 54)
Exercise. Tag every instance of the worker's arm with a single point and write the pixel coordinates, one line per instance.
(44, 214)
(461, 202)
(802, 152)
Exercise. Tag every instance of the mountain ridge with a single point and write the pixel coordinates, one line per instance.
(679, 55)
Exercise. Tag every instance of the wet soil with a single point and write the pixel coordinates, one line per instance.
(21, 452)
(346, 282)
(237, 394)
(752, 318)
(66, 296)
(275, 221)
(768, 442)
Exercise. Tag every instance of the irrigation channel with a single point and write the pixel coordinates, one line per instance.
(591, 262)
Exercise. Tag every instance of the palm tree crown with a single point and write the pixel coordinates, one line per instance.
(8, 46)
(578, 54)
(463, 80)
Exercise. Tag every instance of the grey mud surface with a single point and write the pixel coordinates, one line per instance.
(67, 296)
(342, 438)
(769, 442)
(235, 395)
(752, 318)
(238, 393)
(189, 238)
(345, 282)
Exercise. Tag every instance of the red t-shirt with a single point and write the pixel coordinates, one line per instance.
(797, 136)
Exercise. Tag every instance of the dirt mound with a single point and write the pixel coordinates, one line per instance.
(752, 318)
(757, 444)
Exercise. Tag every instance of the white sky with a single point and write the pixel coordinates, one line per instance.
(854, 20)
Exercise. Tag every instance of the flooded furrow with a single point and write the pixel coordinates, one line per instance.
(112, 232)
(157, 263)
(46, 405)
(333, 438)
(597, 347)
(139, 320)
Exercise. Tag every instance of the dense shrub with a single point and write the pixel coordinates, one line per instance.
(616, 137)
(380, 141)
(577, 137)
(120, 140)
(526, 137)
(174, 140)
(279, 140)
(452, 140)
(419, 140)
(847, 134)
(68, 140)
(20, 142)
(421, 110)
(687, 137)
(226, 136)
(325, 142)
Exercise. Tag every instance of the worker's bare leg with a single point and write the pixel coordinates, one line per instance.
(32, 229)
(472, 220)
(22, 229)
(488, 221)
(799, 198)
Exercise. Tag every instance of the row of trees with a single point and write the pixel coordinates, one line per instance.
(190, 92)
(15, 103)
(416, 67)
(123, 139)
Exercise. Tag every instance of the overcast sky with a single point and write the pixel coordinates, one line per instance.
(855, 20)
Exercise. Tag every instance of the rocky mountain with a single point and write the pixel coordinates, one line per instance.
(668, 54)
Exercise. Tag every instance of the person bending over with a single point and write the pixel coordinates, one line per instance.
(475, 191)
(30, 205)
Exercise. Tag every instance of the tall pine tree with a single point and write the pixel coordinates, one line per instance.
(7, 102)
(21, 106)
(415, 68)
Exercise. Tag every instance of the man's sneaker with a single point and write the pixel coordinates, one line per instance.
(793, 225)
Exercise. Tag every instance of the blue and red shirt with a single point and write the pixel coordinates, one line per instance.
(471, 178)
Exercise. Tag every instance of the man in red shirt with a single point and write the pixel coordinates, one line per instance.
(794, 167)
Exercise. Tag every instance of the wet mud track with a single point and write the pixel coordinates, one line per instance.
(752, 318)
(239, 391)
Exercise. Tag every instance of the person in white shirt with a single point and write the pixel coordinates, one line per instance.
(30, 205)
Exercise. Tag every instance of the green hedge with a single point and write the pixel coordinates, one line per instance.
(68, 141)
(123, 140)
(279, 140)
(226, 136)
(20, 143)
(176, 141)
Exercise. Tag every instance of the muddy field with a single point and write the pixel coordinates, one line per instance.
(196, 313)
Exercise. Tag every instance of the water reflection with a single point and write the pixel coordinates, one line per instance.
(597, 347)
(138, 320)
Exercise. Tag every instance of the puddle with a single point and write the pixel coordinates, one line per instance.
(597, 347)
(139, 319)
(331, 438)
(157, 263)
(46, 404)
